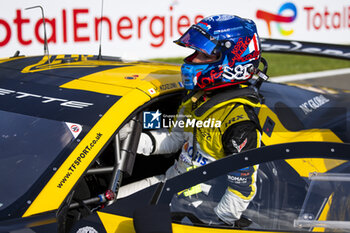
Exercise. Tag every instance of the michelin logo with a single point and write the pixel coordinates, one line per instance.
(151, 120)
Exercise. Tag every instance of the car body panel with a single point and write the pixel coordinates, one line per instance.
(52, 196)
(276, 132)
(46, 78)
(119, 224)
(118, 217)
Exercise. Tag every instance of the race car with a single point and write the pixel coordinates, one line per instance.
(62, 160)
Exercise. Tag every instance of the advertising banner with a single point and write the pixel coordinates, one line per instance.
(137, 29)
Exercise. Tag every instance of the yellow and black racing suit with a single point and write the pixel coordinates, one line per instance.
(239, 130)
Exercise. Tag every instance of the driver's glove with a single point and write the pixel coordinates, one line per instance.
(146, 146)
(125, 131)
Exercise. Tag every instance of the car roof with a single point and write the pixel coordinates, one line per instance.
(86, 72)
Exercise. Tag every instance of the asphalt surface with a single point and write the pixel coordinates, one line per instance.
(338, 81)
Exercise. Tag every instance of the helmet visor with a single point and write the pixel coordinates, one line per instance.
(197, 38)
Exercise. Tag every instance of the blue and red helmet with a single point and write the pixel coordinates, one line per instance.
(233, 40)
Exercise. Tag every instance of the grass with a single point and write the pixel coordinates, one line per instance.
(285, 64)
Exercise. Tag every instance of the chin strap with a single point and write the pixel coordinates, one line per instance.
(261, 74)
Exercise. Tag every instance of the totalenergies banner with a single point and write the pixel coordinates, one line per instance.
(140, 29)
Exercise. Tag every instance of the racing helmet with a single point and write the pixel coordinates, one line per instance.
(235, 43)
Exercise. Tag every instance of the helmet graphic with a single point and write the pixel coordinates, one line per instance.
(231, 40)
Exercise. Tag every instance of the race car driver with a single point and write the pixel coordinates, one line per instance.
(217, 76)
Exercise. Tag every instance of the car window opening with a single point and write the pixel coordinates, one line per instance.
(118, 164)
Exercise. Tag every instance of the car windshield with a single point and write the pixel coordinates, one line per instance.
(284, 200)
(326, 203)
(28, 147)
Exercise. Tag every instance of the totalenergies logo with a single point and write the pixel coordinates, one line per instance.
(279, 18)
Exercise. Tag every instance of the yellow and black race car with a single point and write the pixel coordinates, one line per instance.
(62, 161)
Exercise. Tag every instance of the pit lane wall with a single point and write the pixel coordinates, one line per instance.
(139, 29)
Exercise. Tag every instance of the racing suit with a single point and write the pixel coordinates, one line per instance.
(239, 131)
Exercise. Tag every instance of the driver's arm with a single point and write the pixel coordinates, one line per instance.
(160, 142)
(241, 183)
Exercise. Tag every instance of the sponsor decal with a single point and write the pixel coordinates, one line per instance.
(240, 72)
(313, 104)
(199, 158)
(133, 77)
(245, 50)
(241, 146)
(185, 159)
(87, 229)
(45, 99)
(152, 91)
(205, 135)
(205, 81)
(168, 86)
(235, 118)
(239, 48)
(188, 158)
(245, 173)
(317, 19)
(80, 25)
(204, 25)
(223, 17)
(237, 179)
(269, 17)
(79, 160)
(75, 129)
